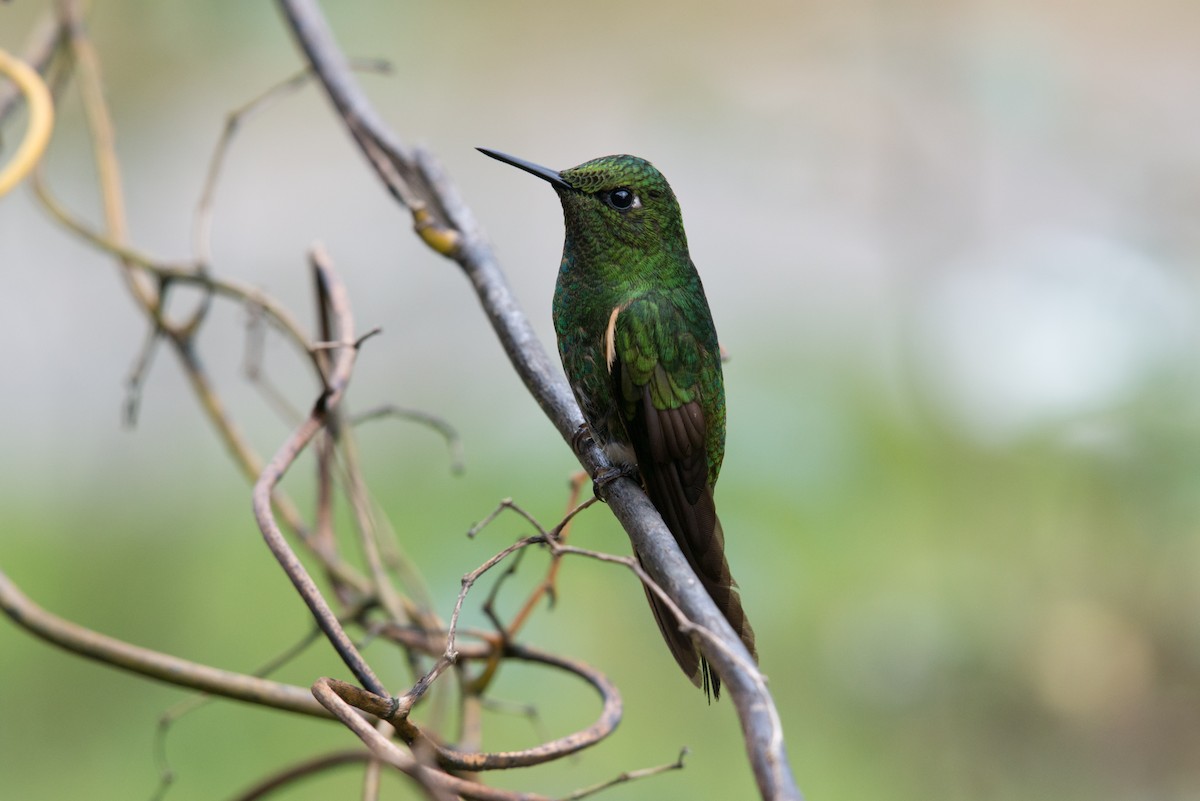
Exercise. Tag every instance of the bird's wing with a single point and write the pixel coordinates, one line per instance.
(660, 371)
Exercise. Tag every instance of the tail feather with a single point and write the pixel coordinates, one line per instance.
(702, 540)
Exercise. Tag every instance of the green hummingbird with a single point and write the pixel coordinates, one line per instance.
(640, 351)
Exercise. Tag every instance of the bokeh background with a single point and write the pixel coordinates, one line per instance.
(950, 246)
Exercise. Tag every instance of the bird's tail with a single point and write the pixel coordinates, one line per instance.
(700, 537)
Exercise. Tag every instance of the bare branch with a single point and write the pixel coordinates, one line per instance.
(390, 753)
(303, 770)
(41, 121)
(177, 711)
(137, 376)
(545, 588)
(453, 441)
(391, 710)
(99, 120)
(39, 50)
(331, 288)
(182, 339)
(628, 776)
(154, 664)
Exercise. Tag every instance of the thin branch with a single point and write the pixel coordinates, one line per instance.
(628, 776)
(330, 285)
(392, 710)
(303, 770)
(255, 371)
(202, 221)
(177, 711)
(250, 689)
(368, 534)
(396, 710)
(184, 272)
(449, 655)
(469, 580)
(235, 441)
(41, 120)
(559, 549)
(87, 70)
(137, 376)
(545, 588)
(449, 433)
(390, 753)
(373, 775)
(40, 48)
(506, 504)
(153, 664)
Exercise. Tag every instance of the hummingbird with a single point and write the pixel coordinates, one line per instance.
(639, 349)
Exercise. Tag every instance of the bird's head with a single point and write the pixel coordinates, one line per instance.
(620, 201)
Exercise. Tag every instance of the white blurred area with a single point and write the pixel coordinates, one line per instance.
(1054, 330)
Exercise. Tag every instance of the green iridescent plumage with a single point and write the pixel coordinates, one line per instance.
(638, 346)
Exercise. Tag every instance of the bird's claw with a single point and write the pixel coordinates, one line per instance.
(610, 474)
(581, 438)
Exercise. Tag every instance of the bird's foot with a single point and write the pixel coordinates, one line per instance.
(581, 438)
(610, 474)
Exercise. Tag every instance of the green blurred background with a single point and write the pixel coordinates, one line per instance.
(950, 246)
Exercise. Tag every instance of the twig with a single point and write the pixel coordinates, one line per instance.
(254, 368)
(509, 632)
(628, 776)
(108, 170)
(391, 710)
(374, 772)
(469, 580)
(255, 690)
(177, 711)
(39, 50)
(339, 377)
(544, 588)
(559, 549)
(236, 443)
(137, 376)
(510, 505)
(41, 120)
(386, 750)
(303, 770)
(438, 424)
(449, 655)
(356, 489)
(153, 664)
(547, 587)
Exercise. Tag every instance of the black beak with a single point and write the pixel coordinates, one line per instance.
(545, 173)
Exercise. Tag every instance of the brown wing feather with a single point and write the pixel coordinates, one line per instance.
(670, 446)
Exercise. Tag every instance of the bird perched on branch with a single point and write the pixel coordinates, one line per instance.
(639, 348)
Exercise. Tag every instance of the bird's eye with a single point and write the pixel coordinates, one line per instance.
(621, 199)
